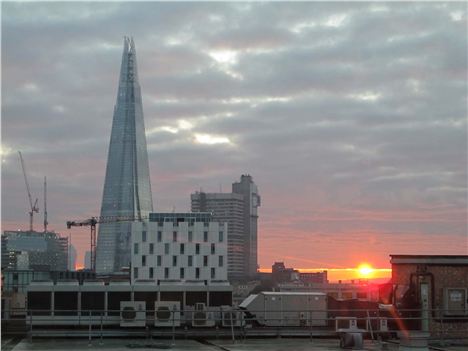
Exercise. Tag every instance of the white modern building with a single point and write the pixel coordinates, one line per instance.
(179, 247)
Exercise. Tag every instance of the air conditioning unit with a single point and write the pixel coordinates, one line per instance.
(345, 324)
(166, 313)
(231, 317)
(132, 313)
(383, 324)
(201, 317)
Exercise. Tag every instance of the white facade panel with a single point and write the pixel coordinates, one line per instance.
(179, 251)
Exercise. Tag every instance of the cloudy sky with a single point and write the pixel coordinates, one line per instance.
(351, 117)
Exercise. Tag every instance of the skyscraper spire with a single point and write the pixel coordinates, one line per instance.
(127, 188)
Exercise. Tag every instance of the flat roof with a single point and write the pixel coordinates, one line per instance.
(430, 259)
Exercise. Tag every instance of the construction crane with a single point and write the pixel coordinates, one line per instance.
(92, 222)
(33, 207)
(45, 205)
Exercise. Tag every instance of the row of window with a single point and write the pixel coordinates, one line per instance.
(181, 273)
(175, 236)
(167, 248)
(189, 261)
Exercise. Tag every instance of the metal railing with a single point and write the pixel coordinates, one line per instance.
(234, 323)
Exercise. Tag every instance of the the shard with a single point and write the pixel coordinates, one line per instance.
(127, 188)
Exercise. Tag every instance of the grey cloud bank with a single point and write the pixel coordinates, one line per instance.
(352, 117)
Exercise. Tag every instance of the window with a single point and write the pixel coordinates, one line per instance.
(166, 249)
(135, 248)
(182, 249)
(174, 261)
(212, 249)
(135, 273)
(190, 236)
(205, 261)
(197, 249)
(205, 236)
(197, 273)
(151, 272)
(220, 261)
(182, 273)
(143, 236)
(151, 248)
(213, 273)
(159, 261)
(174, 236)
(221, 237)
(190, 261)
(159, 236)
(143, 260)
(166, 273)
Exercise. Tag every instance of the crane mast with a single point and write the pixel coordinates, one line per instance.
(33, 207)
(92, 222)
(45, 205)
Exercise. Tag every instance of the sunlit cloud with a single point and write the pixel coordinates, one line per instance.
(335, 20)
(366, 96)
(457, 16)
(224, 56)
(211, 139)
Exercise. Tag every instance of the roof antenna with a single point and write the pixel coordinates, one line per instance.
(45, 205)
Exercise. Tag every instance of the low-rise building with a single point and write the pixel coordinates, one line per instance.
(179, 246)
(430, 292)
(364, 291)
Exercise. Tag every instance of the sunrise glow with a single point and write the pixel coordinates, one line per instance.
(365, 270)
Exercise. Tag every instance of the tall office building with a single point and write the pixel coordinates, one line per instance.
(248, 189)
(127, 188)
(239, 210)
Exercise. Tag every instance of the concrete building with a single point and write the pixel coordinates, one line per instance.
(239, 210)
(71, 258)
(127, 188)
(281, 274)
(179, 246)
(87, 260)
(436, 286)
(34, 250)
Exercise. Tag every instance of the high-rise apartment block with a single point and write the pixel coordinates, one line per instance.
(239, 210)
(179, 246)
(127, 189)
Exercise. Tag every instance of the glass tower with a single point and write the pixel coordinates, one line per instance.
(127, 188)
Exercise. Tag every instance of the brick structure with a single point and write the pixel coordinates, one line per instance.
(437, 285)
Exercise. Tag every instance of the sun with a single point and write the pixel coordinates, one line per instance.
(365, 270)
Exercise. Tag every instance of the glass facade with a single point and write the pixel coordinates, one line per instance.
(127, 188)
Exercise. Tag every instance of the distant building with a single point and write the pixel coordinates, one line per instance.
(87, 260)
(179, 246)
(239, 210)
(281, 274)
(71, 258)
(34, 250)
(435, 289)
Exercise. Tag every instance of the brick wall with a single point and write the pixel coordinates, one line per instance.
(444, 276)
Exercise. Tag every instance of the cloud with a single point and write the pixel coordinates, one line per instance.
(350, 117)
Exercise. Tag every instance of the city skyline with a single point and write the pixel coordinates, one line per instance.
(350, 117)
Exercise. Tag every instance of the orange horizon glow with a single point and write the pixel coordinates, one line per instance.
(363, 271)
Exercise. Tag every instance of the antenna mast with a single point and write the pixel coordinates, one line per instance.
(45, 205)
(33, 207)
